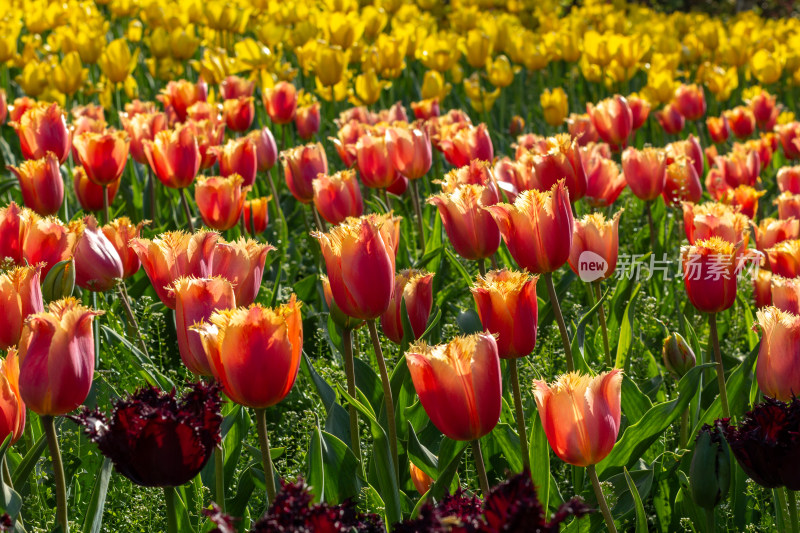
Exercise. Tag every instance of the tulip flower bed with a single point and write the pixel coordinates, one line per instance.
(397, 266)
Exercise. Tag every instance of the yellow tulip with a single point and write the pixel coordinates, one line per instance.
(34, 78)
(214, 66)
(630, 50)
(368, 88)
(597, 48)
(721, 82)
(135, 31)
(158, 43)
(568, 45)
(340, 90)
(661, 86)
(434, 86)
(391, 56)
(116, 61)
(554, 106)
(477, 48)
(344, 29)
(457, 73)
(500, 72)
(9, 33)
(330, 62)
(69, 75)
(785, 118)
(122, 8)
(479, 98)
(252, 55)
(766, 66)
(439, 51)
(374, 20)
(183, 42)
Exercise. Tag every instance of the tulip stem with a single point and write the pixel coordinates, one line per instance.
(523, 434)
(151, 187)
(792, 503)
(349, 369)
(482, 266)
(186, 210)
(387, 393)
(601, 500)
(418, 213)
(648, 209)
(318, 220)
(172, 512)
(132, 322)
(480, 467)
(275, 198)
(684, 436)
(266, 460)
(723, 392)
(562, 327)
(58, 471)
(601, 313)
(106, 217)
(219, 474)
(710, 520)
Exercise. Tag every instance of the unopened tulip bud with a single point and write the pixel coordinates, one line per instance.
(220, 200)
(710, 470)
(98, 266)
(613, 120)
(508, 308)
(422, 481)
(307, 121)
(412, 288)
(60, 281)
(678, 357)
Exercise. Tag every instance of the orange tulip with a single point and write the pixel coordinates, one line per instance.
(120, 232)
(581, 128)
(102, 155)
(306, 120)
(89, 195)
(709, 273)
(301, 165)
(508, 175)
(196, 299)
(242, 263)
(537, 228)
(338, 196)
(359, 257)
(142, 127)
(239, 113)
(236, 87)
(422, 481)
(690, 101)
(412, 287)
(762, 288)
(471, 230)
(789, 136)
(41, 129)
(671, 120)
(178, 96)
(509, 310)
(778, 365)
(581, 415)
(12, 408)
(681, 183)
(530, 142)
(746, 199)
(711, 219)
(784, 258)
(280, 102)
(426, 109)
(209, 135)
(770, 232)
(595, 238)
(613, 120)
(3, 106)
(256, 215)
(48, 240)
(41, 184)
(785, 294)
(238, 156)
(220, 200)
(266, 149)
(410, 150)
(20, 106)
(739, 167)
(788, 205)
(56, 358)
(98, 266)
(741, 120)
(690, 148)
(255, 351)
(718, 129)
(174, 156)
(346, 141)
(12, 230)
(476, 173)
(375, 165)
(640, 110)
(765, 110)
(788, 179)
(465, 143)
(604, 181)
(560, 161)
(459, 384)
(20, 296)
(136, 107)
(645, 171)
(173, 255)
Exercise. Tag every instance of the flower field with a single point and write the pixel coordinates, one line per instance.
(401, 266)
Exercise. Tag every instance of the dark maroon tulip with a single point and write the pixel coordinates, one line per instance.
(766, 443)
(155, 439)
